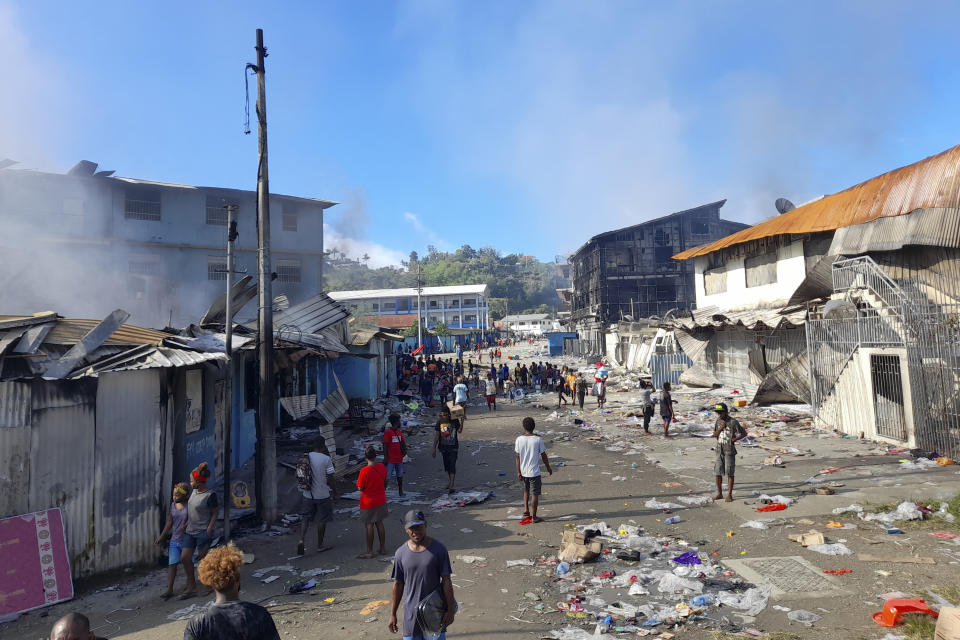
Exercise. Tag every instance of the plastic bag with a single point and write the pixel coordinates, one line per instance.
(919, 464)
(778, 498)
(695, 501)
(653, 503)
(751, 602)
(801, 615)
(670, 583)
(690, 557)
(754, 524)
(854, 508)
(835, 549)
(904, 511)
(775, 506)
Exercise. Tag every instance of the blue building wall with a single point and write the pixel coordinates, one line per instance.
(667, 367)
(354, 375)
(555, 341)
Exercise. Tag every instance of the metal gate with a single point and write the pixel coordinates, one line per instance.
(887, 383)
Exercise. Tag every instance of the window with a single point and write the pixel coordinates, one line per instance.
(455, 319)
(390, 306)
(699, 228)
(663, 255)
(453, 304)
(288, 271)
(216, 213)
(761, 270)
(216, 268)
(624, 237)
(375, 306)
(470, 319)
(433, 304)
(469, 302)
(661, 237)
(142, 204)
(666, 292)
(290, 221)
(144, 265)
(434, 319)
(715, 281)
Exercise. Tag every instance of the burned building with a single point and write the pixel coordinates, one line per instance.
(630, 271)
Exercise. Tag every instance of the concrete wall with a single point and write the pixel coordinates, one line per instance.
(791, 271)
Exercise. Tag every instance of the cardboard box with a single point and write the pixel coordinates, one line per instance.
(574, 537)
(948, 624)
(575, 548)
(809, 538)
(456, 411)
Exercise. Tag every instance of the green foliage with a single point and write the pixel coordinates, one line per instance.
(518, 284)
(441, 329)
(411, 331)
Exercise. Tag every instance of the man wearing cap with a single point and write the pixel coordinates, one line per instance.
(728, 431)
(421, 566)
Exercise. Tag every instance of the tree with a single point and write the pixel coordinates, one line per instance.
(414, 257)
(411, 331)
(441, 329)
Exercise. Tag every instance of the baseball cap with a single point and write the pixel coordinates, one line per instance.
(413, 518)
(720, 408)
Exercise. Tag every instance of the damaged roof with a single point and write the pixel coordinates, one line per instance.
(933, 182)
(713, 316)
(311, 316)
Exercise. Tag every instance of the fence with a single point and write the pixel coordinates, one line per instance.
(667, 367)
(581, 347)
(889, 352)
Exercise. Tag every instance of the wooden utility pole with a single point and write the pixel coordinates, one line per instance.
(228, 392)
(266, 437)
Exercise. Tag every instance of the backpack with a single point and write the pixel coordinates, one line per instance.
(304, 473)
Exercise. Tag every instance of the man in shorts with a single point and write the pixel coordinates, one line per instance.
(394, 450)
(447, 440)
(530, 450)
(728, 431)
(317, 503)
(460, 396)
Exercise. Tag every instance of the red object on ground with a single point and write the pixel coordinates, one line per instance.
(527, 520)
(417, 350)
(838, 572)
(890, 616)
(773, 506)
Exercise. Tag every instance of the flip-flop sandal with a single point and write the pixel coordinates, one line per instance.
(538, 519)
(187, 595)
(166, 596)
(526, 521)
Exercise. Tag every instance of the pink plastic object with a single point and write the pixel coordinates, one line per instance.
(890, 616)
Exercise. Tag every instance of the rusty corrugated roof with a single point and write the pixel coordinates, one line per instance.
(929, 183)
(71, 330)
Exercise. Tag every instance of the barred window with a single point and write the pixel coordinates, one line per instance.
(761, 270)
(289, 221)
(216, 268)
(216, 214)
(288, 271)
(144, 265)
(142, 204)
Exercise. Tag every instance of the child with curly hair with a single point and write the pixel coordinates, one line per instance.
(228, 617)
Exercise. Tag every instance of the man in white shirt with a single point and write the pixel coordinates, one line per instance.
(530, 451)
(318, 501)
(460, 395)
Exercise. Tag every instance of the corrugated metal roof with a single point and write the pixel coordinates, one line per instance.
(147, 357)
(525, 317)
(402, 321)
(362, 337)
(363, 294)
(71, 330)
(930, 183)
(772, 318)
(313, 315)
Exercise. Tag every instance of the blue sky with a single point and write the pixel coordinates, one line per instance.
(528, 126)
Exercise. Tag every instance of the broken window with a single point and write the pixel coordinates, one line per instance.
(661, 237)
(761, 270)
(288, 271)
(699, 227)
(663, 254)
(666, 292)
(142, 204)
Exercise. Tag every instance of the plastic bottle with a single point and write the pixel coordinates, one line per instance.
(563, 568)
(704, 600)
(672, 520)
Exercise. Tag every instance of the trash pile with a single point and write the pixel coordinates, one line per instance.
(621, 580)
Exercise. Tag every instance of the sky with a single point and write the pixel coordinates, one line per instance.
(526, 126)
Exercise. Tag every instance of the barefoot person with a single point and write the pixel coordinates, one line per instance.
(176, 525)
(228, 617)
(372, 483)
(728, 431)
(394, 451)
(421, 567)
(530, 450)
(202, 511)
(317, 502)
(666, 409)
(447, 440)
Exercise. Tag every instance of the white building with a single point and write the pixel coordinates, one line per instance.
(461, 306)
(531, 324)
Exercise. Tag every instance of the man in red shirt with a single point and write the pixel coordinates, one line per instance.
(394, 450)
(372, 483)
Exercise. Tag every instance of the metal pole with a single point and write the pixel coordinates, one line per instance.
(228, 349)
(267, 488)
(419, 312)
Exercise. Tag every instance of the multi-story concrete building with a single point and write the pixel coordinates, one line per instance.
(629, 272)
(530, 324)
(462, 306)
(84, 243)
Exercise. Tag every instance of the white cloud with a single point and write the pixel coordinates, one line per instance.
(424, 231)
(380, 256)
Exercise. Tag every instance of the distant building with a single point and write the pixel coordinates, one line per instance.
(629, 274)
(87, 243)
(531, 324)
(460, 306)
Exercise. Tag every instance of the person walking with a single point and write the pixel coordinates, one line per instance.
(647, 396)
(73, 626)
(601, 391)
(175, 527)
(666, 409)
(447, 440)
(560, 395)
(491, 393)
(394, 450)
(372, 483)
(421, 577)
(530, 450)
(728, 431)
(460, 396)
(317, 501)
(202, 511)
(228, 617)
(581, 390)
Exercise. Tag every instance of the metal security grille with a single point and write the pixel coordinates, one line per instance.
(216, 269)
(142, 209)
(918, 321)
(216, 215)
(289, 271)
(887, 386)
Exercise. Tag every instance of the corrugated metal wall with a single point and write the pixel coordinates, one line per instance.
(14, 448)
(667, 367)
